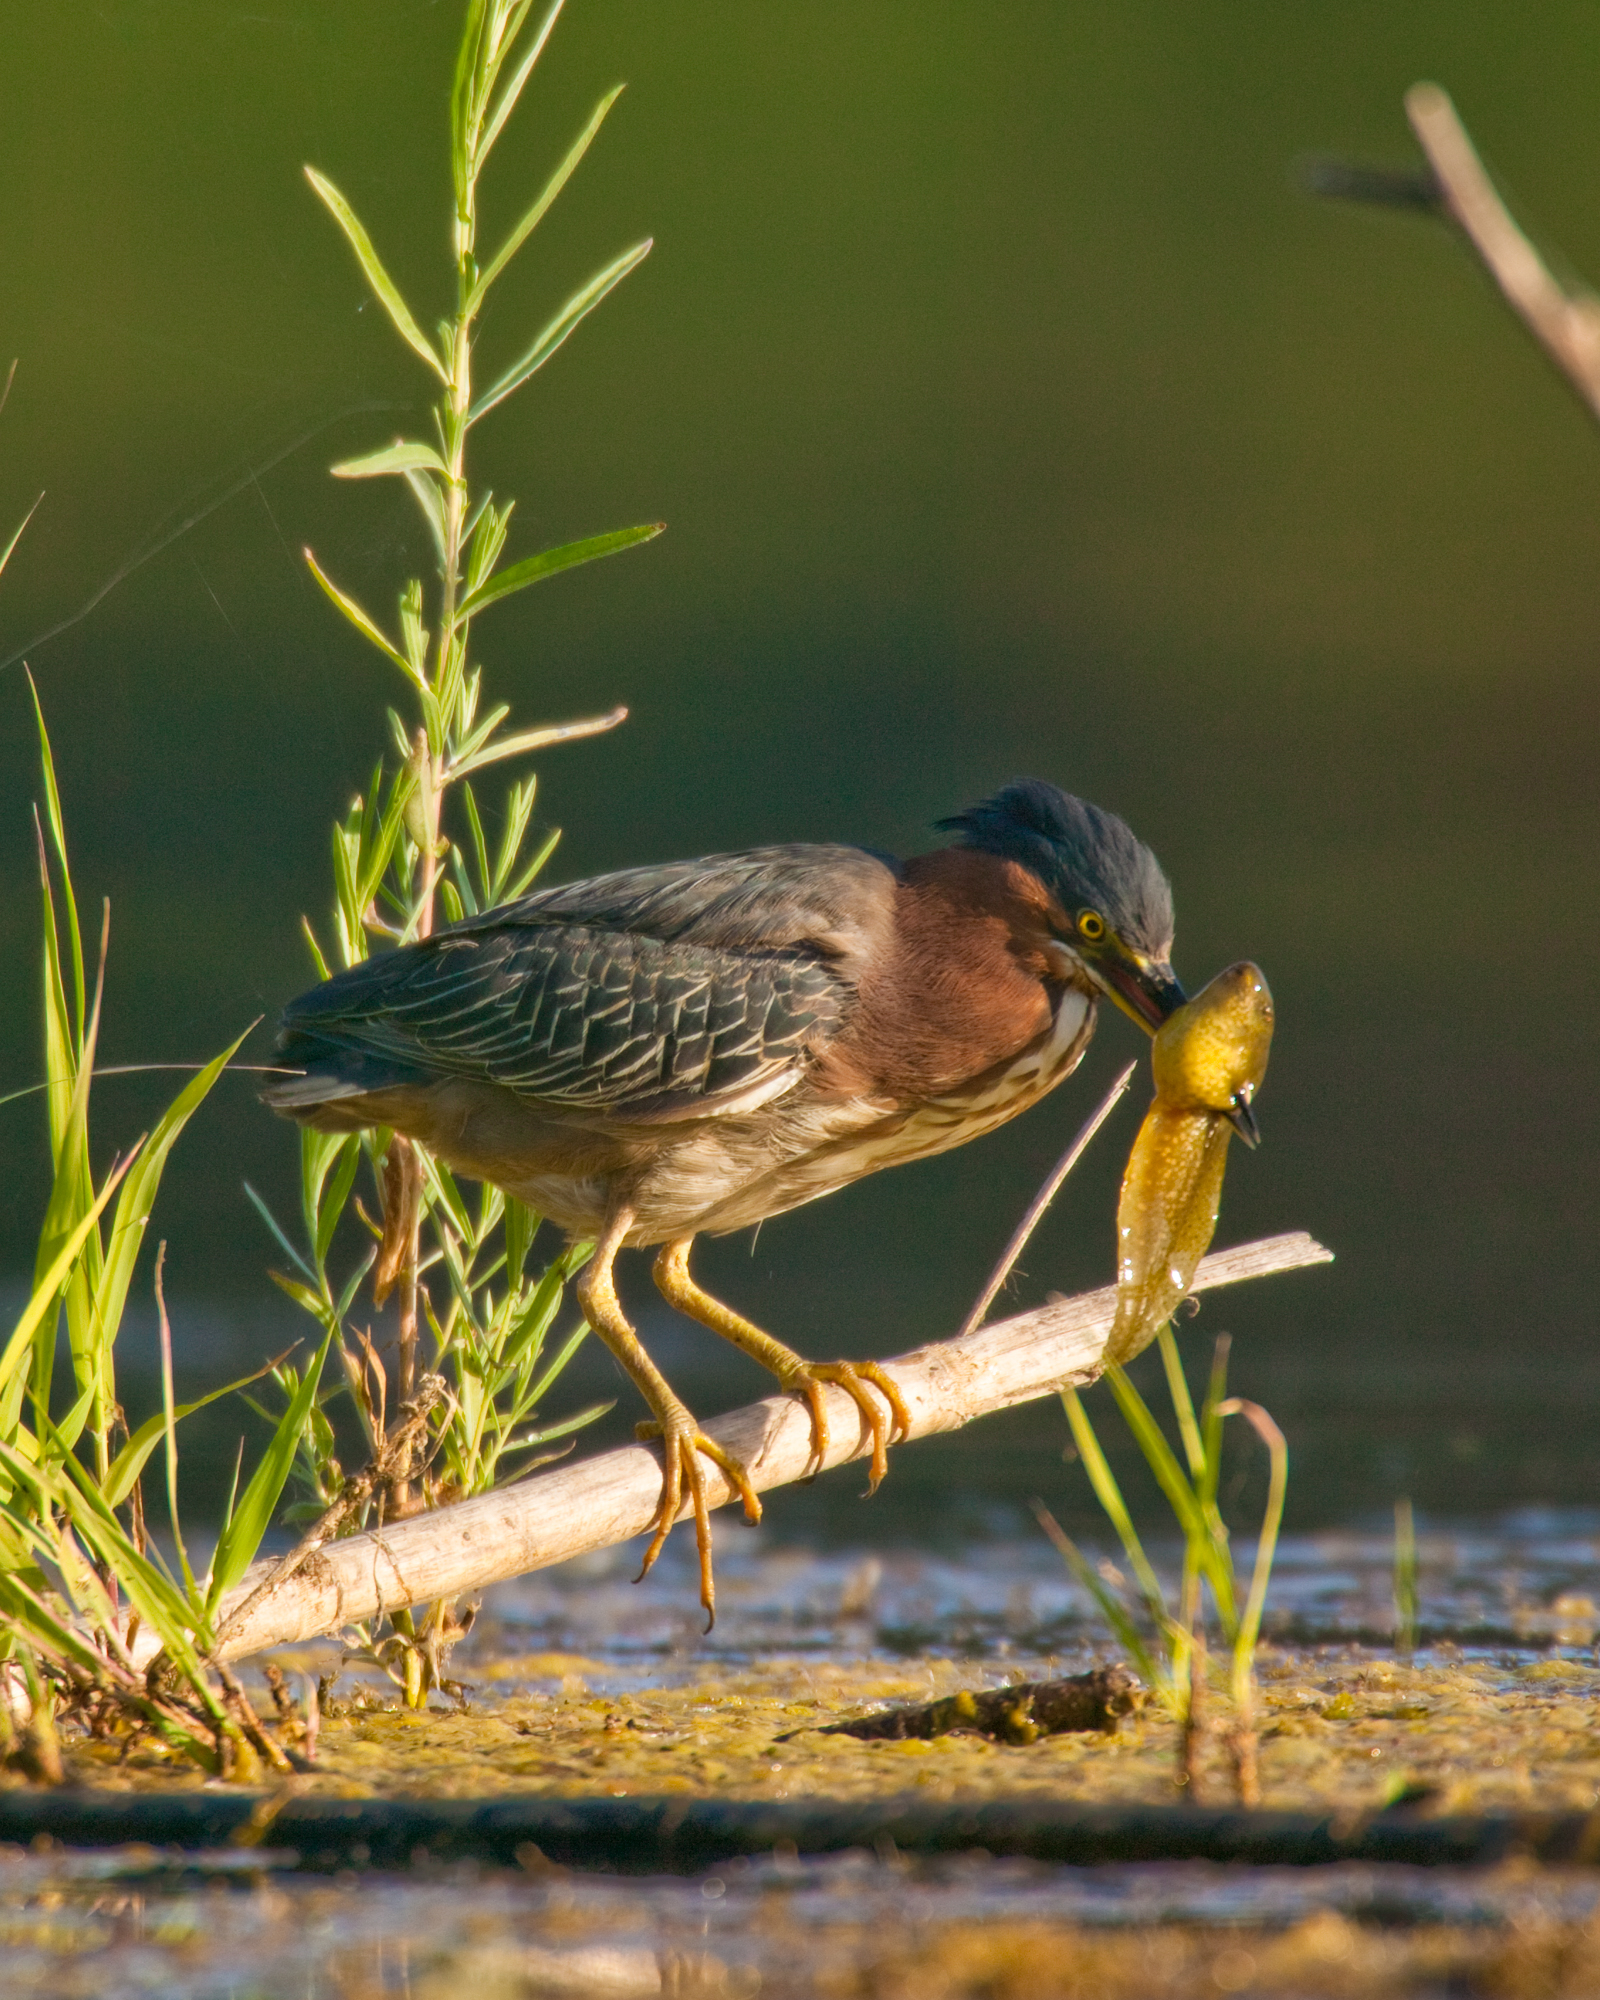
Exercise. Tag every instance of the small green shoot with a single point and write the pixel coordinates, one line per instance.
(1405, 1579)
(1170, 1651)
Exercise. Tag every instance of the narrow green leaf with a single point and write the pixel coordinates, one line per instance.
(72, 1189)
(565, 1427)
(1181, 1497)
(138, 1197)
(303, 1295)
(552, 187)
(479, 844)
(331, 1207)
(317, 958)
(383, 286)
(516, 814)
(576, 309)
(46, 1287)
(401, 456)
(1112, 1608)
(469, 745)
(462, 885)
(362, 620)
(250, 1519)
(523, 71)
(488, 539)
(131, 1460)
(1182, 1405)
(58, 836)
(426, 495)
(6, 553)
(551, 562)
(376, 861)
(530, 873)
(442, 1184)
(353, 1284)
(1109, 1494)
(283, 1242)
(1249, 1629)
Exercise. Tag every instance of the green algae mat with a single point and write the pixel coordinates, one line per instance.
(1338, 1731)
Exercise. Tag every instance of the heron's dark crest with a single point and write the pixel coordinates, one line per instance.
(1082, 855)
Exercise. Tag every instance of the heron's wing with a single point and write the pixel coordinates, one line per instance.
(567, 999)
(831, 901)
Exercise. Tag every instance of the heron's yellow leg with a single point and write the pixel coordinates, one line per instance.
(801, 1377)
(682, 1441)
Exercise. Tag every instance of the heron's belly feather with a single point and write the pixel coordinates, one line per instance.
(731, 1176)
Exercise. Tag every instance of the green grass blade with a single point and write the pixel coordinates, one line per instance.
(551, 562)
(1181, 1496)
(72, 1190)
(1109, 1494)
(1182, 1403)
(135, 1454)
(283, 1242)
(1405, 1578)
(1211, 1418)
(139, 1194)
(1244, 1645)
(552, 187)
(1111, 1607)
(352, 1284)
(250, 1519)
(45, 1289)
(560, 329)
(10, 547)
(331, 1207)
(58, 837)
(384, 287)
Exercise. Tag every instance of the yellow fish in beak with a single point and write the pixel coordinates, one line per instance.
(1209, 1058)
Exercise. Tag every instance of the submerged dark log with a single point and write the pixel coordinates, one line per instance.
(682, 1835)
(1021, 1713)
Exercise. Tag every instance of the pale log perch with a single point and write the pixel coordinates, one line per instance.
(601, 1501)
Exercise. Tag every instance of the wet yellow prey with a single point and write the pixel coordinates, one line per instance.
(1209, 1058)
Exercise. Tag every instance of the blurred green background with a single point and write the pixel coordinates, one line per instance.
(1012, 411)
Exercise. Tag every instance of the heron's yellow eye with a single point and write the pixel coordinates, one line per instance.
(1091, 926)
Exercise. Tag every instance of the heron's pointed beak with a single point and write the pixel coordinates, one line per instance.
(1243, 1120)
(1146, 993)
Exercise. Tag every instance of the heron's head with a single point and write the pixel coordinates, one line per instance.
(1112, 906)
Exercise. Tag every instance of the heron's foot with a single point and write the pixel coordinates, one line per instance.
(683, 1444)
(805, 1379)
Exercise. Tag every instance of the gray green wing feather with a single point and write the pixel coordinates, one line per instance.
(651, 993)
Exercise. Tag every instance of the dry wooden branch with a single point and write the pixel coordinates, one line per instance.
(1566, 324)
(601, 1501)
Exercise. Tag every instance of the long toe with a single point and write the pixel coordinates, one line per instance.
(671, 1493)
(889, 1389)
(852, 1377)
(683, 1445)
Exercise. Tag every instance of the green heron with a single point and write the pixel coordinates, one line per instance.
(691, 1048)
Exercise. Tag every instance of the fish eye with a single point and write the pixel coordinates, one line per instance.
(1091, 926)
